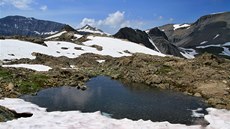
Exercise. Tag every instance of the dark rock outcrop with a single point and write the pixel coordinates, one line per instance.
(155, 39)
(161, 41)
(6, 114)
(136, 36)
(68, 28)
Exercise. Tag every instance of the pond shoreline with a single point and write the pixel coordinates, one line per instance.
(206, 76)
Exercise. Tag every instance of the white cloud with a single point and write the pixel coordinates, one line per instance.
(171, 19)
(115, 19)
(112, 22)
(160, 17)
(88, 21)
(20, 4)
(44, 7)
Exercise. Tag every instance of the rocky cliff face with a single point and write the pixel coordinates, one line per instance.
(136, 36)
(161, 41)
(23, 26)
(155, 39)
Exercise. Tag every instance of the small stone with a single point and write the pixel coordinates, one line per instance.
(197, 94)
(10, 86)
(83, 88)
(224, 81)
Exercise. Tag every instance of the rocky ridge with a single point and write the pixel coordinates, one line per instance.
(24, 26)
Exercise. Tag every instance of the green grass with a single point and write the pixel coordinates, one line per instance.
(29, 83)
(34, 83)
(164, 69)
(5, 74)
(28, 87)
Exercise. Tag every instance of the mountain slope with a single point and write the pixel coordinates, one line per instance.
(19, 25)
(210, 33)
(136, 36)
(154, 39)
(160, 40)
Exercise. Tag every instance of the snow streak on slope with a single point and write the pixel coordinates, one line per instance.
(178, 26)
(56, 35)
(15, 49)
(218, 119)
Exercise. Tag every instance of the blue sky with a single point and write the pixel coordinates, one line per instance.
(110, 15)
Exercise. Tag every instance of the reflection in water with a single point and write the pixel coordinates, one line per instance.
(62, 98)
(134, 101)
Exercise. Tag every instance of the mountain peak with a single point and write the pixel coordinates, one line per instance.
(87, 29)
(27, 26)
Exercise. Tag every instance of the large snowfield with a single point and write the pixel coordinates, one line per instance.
(16, 49)
(11, 49)
(218, 119)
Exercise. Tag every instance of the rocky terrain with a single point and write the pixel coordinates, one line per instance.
(155, 39)
(206, 76)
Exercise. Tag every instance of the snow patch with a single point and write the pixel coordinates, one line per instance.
(49, 33)
(226, 51)
(36, 67)
(100, 61)
(195, 113)
(190, 51)
(36, 32)
(178, 26)
(116, 47)
(56, 35)
(46, 33)
(218, 13)
(187, 55)
(147, 31)
(218, 119)
(203, 42)
(216, 36)
(78, 36)
(154, 45)
(226, 44)
(217, 45)
(91, 31)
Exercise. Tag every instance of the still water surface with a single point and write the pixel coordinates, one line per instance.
(111, 97)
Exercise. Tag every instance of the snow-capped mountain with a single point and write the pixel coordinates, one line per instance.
(210, 33)
(87, 29)
(27, 26)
